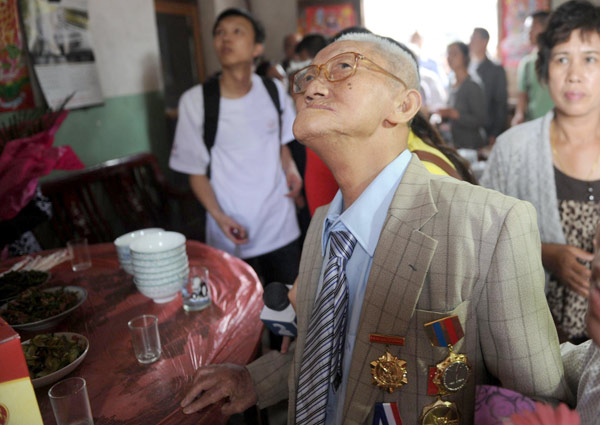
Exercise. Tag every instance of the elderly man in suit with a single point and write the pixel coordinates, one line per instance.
(413, 288)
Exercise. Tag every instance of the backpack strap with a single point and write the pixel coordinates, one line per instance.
(436, 160)
(212, 95)
(274, 94)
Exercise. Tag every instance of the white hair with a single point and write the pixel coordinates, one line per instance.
(398, 58)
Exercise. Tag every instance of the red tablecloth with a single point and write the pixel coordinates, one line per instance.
(121, 390)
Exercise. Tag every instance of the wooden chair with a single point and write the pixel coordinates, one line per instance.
(105, 201)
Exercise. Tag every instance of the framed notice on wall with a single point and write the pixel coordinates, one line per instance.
(59, 42)
(514, 38)
(327, 19)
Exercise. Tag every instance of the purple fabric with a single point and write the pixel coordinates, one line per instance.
(494, 405)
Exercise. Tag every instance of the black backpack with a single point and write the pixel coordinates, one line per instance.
(212, 96)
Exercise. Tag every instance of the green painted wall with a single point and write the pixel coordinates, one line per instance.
(121, 126)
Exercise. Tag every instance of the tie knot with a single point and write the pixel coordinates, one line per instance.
(342, 244)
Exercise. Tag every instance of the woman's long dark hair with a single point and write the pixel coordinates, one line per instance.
(430, 136)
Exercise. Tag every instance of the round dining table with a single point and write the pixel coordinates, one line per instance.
(123, 391)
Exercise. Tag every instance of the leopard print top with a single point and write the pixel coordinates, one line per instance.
(579, 212)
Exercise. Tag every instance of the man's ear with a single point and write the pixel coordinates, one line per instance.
(258, 50)
(407, 106)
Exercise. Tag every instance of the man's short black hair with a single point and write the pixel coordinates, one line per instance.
(483, 33)
(312, 44)
(259, 31)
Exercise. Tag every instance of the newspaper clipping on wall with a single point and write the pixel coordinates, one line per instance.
(60, 45)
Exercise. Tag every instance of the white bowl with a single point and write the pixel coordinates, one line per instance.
(122, 242)
(159, 263)
(166, 279)
(155, 256)
(157, 243)
(151, 270)
(163, 293)
(59, 374)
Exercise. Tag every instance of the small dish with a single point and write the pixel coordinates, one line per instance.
(57, 318)
(61, 373)
(18, 286)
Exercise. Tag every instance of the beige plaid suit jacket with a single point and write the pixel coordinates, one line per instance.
(446, 248)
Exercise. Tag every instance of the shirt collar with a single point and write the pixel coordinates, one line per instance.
(366, 216)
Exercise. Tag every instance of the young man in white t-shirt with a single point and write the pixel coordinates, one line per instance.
(249, 194)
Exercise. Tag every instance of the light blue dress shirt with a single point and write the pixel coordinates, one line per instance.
(364, 219)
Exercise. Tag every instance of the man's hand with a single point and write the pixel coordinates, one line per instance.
(294, 184)
(562, 260)
(292, 176)
(217, 382)
(232, 229)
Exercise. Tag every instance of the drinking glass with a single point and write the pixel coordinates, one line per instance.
(145, 338)
(70, 402)
(79, 254)
(196, 293)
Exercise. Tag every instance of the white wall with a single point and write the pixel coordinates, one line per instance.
(126, 46)
(279, 18)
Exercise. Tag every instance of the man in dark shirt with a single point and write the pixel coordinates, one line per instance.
(493, 77)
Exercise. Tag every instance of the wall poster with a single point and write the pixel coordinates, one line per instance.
(60, 46)
(327, 20)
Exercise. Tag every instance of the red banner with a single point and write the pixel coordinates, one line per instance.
(327, 20)
(15, 86)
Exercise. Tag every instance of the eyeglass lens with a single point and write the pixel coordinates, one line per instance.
(336, 69)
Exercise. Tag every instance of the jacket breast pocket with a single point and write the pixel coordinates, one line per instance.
(427, 354)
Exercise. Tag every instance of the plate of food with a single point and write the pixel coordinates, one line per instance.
(12, 283)
(37, 309)
(51, 357)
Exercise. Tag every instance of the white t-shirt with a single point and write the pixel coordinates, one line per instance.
(245, 165)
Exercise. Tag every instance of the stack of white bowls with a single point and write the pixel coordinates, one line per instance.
(160, 265)
(122, 244)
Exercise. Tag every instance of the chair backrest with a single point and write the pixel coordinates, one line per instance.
(109, 199)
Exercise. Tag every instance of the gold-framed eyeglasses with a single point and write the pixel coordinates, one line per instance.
(338, 68)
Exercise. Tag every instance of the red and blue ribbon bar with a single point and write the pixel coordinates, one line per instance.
(386, 414)
(444, 332)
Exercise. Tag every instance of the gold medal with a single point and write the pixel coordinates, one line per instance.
(440, 413)
(389, 372)
(453, 373)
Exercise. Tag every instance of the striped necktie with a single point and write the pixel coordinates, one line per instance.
(322, 357)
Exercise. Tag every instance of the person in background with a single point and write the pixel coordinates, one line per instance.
(554, 161)
(290, 42)
(493, 77)
(249, 193)
(533, 97)
(310, 45)
(426, 62)
(397, 251)
(467, 109)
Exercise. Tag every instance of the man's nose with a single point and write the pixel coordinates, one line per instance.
(318, 87)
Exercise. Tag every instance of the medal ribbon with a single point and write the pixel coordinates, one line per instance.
(386, 414)
(444, 332)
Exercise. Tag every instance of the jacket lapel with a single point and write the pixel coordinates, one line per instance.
(399, 268)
